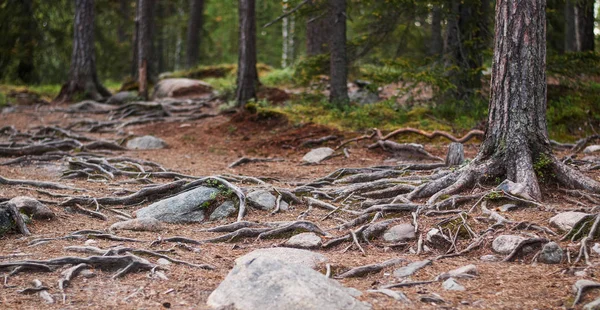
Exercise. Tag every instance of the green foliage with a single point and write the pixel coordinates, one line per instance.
(278, 77)
(310, 69)
(493, 195)
(542, 167)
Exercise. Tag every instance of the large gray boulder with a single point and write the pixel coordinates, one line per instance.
(566, 220)
(307, 240)
(181, 87)
(317, 155)
(146, 143)
(264, 200)
(32, 208)
(188, 207)
(288, 255)
(268, 283)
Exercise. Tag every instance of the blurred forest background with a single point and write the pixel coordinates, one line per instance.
(404, 51)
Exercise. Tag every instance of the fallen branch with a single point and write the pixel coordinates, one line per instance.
(367, 269)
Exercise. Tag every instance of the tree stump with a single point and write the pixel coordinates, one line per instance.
(456, 154)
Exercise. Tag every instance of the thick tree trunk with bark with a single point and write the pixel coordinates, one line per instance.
(339, 61)
(317, 29)
(436, 46)
(145, 11)
(516, 138)
(247, 77)
(570, 27)
(194, 33)
(584, 16)
(83, 82)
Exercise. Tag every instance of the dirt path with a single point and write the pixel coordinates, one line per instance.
(206, 147)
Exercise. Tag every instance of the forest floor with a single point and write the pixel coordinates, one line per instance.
(206, 147)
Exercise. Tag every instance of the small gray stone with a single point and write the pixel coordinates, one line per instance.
(432, 298)
(468, 271)
(163, 261)
(268, 283)
(411, 268)
(122, 97)
(287, 255)
(139, 224)
(264, 200)
(376, 229)
(226, 209)
(566, 220)
(86, 273)
(397, 295)
(490, 258)
(90, 242)
(596, 248)
(307, 240)
(437, 240)
(515, 189)
(399, 233)
(146, 143)
(551, 253)
(451, 285)
(32, 208)
(591, 149)
(505, 244)
(508, 207)
(317, 155)
(594, 305)
(187, 207)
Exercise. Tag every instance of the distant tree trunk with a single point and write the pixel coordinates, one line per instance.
(570, 27)
(124, 13)
(584, 16)
(436, 46)
(144, 61)
(317, 30)
(339, 61)
(158, 33)
(247, 75)
(83, 82)
(285, 32)
(194, 33)
(134, 43)
(27, 41)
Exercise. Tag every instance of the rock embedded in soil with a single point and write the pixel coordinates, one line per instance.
(591, 149)
(566, 220)
(594, 305)
(122, 97)
(437, 240)
(411, 268)
(32, 208)
(505, 244)
(307, 240)
(468, 271)
(399, 233)
(225, 210)
(596, 248)
(317, 155)
(264, 200)
(451, 285)
(268, 283)
(179, 87)
(490, 258)
(188, 207)
(139, 224)
(287, 255)
(551, 253)
(146, 143)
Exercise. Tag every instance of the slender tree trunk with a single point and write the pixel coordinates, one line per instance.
(570, 27)
(83, 82)
(125, 19)
(584, 13)
(285, 24)
(27, 41)
(339, 61)
(194, 33)
(134, 43)
(317, 30)
(144, 61)
(158, 31)
(247, 76)
(437, 43)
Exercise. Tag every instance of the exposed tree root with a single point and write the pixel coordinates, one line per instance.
(40, 184)
(527, 242)
(68, 276)
(247, 160)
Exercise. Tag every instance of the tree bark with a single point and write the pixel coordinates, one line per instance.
(339, 61)
(584, 16)
(125, 19)
(247, 76)
(436, 46)
(317, 30)
(134, 43)
(570, 27)
(83, 82)
(144, 10)
(27, 41)
(194, 33)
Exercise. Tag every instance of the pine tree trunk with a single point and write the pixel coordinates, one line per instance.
(83, 82)
(193, 33)
(134, 43)
(247, 76)
(437, 43)
(585, 25)
(339, 61)
(570, 27)
(144, 61)
(125, 19)
(317, 30)
(27, 42)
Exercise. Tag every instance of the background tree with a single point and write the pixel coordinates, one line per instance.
(83, 82)
(436, 46)
(145, 11)
(570, 27)
(317, 29)
(247, 75)
(194, 32)
(338, 69)
(516, 138)
(584, 14)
